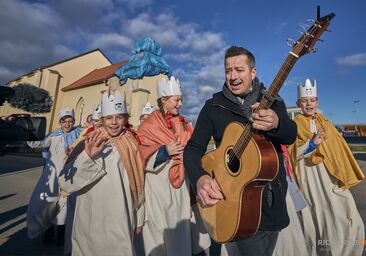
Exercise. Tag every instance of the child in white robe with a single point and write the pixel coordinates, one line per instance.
(107, 179)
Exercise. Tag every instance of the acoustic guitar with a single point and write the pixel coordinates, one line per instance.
(245, 162)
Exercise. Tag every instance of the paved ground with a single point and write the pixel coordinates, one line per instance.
(18, 176)
(13, 163)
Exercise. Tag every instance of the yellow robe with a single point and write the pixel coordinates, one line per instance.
(332, 224)
(333, 152)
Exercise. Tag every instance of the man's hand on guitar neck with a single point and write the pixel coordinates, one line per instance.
(264, 119)
(208, 191)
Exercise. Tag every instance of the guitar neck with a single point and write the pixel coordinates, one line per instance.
(302, 46)
(266, 102)
(278, 81)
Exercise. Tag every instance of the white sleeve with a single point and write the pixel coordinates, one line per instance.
(80, 173)
(46, 143)
(302, 149)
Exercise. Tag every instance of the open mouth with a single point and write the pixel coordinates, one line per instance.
(114, 129)
(235, 84)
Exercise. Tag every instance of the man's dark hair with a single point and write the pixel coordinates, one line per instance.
(237, 50)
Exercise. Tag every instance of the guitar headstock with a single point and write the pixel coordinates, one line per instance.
(305, 44)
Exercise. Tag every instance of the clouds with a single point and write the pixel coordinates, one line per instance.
(350, 61)
(204, 42)
(195, 54)
(171, 33)
(135, 4)
(44, 32)
(110, 40)
(80, 13)
(200, 81)
(28, 38)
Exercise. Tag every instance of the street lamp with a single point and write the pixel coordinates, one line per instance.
(354, 113)
(355, 109)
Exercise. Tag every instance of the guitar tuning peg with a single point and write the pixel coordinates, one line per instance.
(309, 22)
(313, 50)
(321, 40)
(301, 29)
(328, 30)
(290, 42)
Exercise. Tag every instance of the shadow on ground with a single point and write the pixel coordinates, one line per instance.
(18, 243)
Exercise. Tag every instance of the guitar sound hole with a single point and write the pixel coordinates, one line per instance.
(232, 161)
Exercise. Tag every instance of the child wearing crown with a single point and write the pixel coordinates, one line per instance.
(105, 175)
(163, 136)
(41, 208)
(325, 170)
(146, 111)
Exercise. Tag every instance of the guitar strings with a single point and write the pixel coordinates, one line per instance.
(246, 135)
(281, 76)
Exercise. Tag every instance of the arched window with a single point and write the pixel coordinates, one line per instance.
(79, 111)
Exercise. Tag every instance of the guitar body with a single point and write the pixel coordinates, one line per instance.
(242, 181)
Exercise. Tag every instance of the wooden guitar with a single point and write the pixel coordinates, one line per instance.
(245, 161)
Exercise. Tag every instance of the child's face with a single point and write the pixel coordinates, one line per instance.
(308, 105)
(172, 104)
(96, 123)
(67, 123)
(114, 124)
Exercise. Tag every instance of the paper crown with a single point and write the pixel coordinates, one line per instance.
(97, 112)
(113, 104)
(307, 90)
(147, 109)
(66, 112)
(168, 87)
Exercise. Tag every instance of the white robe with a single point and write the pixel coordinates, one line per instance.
(291, 240)
(45, 202)
(333, 226)
(167, 228)
(200, 239)
(104, 220)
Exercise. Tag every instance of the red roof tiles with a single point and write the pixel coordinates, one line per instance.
(94, 77)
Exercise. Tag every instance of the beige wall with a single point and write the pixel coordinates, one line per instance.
(32, 78)
(137, 93)
(86, 97)
(81, 66)
(77, 69)
(54, 78)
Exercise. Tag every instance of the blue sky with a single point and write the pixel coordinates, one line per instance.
(194, 35)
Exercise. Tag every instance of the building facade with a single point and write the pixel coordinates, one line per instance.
(79, 82)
